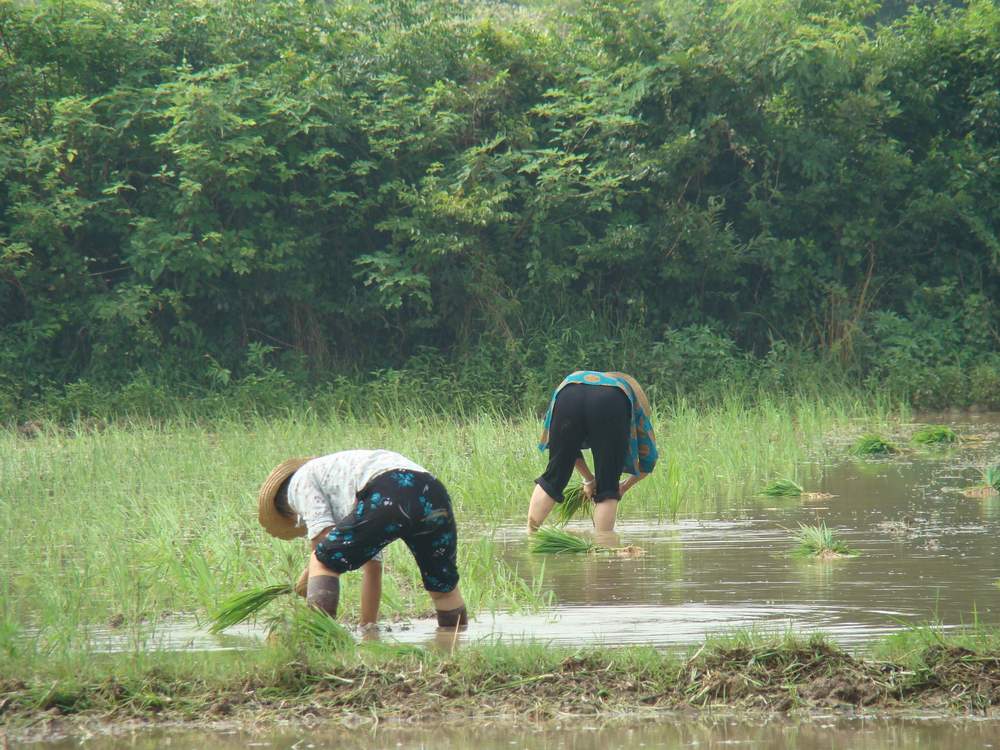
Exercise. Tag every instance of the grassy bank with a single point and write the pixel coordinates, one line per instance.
(957, 674)
(126, 522)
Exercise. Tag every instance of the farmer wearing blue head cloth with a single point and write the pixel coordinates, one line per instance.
(351, 505)
(609, 413)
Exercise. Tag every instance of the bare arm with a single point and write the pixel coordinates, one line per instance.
(371, 591)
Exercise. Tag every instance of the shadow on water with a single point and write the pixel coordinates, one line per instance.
(829, 733)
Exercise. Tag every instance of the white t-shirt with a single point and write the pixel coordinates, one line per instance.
(323, 490)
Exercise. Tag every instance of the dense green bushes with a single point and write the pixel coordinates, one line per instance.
(262, 199)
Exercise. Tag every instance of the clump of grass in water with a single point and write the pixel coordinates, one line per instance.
(991, 477)
(988, 487)
(873, 445)
(549, 541)
(246, 604)
(573, 500)
(782, 488)
(557, 541)
(820, 542)
(934, 434)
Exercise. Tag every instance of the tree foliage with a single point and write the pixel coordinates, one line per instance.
(195, 190)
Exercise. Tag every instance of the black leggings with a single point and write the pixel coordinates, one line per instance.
(594, 415)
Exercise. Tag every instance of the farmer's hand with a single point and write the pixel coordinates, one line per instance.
(588, 489)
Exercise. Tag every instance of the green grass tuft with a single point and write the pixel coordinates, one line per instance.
(819, 541)
(782, 488)
(548, 541)
(245, 605)
(873, 445)
(573, 500)
(317, 629)
(991, 477)
(934, 434)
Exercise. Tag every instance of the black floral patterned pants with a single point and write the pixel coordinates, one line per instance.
(408, 505)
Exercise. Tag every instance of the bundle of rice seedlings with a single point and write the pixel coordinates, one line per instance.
(548, 541)
(873, 445)
(245, 605)
(934, 434)
(820, 542)
(573, 500)
(317, 629)
(782, 488)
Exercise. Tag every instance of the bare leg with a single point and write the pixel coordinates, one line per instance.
(539, 509)
(604, 515)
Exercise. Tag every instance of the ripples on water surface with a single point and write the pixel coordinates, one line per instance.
(579, 734)
(928, 555)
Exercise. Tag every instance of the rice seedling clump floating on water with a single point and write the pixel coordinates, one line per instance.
(819, 542)
(556, 542)
(549, 541)
(989, 486)
(934, 434)
(782, 488)
(873, 445)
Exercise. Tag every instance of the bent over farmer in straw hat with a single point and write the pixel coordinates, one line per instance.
(352, 504)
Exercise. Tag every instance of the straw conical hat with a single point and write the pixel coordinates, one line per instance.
(274, 522)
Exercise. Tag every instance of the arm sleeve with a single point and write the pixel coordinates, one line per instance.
(314, 507)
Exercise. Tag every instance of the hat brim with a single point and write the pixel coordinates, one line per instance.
(274, 521)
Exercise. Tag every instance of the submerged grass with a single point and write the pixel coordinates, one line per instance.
(820, 542)
(934, 434)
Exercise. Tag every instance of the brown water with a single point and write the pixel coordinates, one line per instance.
(928, 554)
(830, 733)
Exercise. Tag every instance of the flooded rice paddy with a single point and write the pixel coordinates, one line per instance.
(822, 733)
(928, 555)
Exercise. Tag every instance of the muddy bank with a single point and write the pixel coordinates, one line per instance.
(519, 683)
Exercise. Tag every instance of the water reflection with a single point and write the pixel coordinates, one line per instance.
(823, 733)
(928, 554)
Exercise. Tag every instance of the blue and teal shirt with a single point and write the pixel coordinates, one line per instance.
(642, 454)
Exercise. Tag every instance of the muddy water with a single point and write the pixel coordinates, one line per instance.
(819, 734)
(928, 554)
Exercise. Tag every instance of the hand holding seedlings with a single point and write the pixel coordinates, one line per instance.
(609, 413)
(351, 505)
